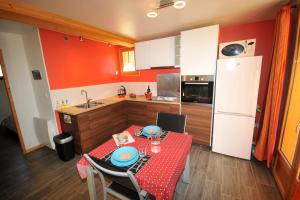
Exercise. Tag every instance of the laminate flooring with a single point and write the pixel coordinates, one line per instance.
(41, 175)
(215, 176)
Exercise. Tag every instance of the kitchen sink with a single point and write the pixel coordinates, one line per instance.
(90, 104)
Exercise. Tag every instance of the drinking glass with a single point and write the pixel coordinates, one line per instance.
(143, 150)
(155, 143)
(155, 139)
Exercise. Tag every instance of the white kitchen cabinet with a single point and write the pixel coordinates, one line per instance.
(155, 53)
(142, 58)
(177, 51)
(198, 51)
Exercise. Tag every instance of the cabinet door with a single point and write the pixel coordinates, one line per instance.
(199, 119)
(177, 51)
(154, 108)
(142, 52)
(136, 113)
(155, 53)
(198, 51)
(162, 52)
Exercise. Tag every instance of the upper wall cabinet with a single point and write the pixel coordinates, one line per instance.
(155, 53)
(198, 51)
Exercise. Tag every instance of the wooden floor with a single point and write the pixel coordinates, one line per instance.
(41, 175)
(215, 176)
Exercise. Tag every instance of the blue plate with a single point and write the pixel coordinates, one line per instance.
(116, 158)
(151, 130)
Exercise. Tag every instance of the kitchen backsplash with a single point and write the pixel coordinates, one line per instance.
(140, 88)
(74, 97)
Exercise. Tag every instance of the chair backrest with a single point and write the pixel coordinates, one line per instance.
(171, 122)
(124, 178)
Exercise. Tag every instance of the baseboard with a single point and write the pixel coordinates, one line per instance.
(34, 148)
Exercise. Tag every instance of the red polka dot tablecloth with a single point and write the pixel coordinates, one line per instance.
(161, 173)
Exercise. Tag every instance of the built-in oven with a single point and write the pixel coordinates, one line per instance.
(197, 89)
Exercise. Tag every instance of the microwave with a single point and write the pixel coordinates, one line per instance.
(241, 48)
(197, 89)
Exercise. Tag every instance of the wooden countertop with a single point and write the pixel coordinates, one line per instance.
(73, 110)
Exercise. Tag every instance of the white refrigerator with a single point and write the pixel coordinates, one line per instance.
(237, 83)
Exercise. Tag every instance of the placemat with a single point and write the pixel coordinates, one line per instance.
(134, 168)
(162, 136)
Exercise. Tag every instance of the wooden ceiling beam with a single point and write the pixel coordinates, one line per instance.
(43, 19)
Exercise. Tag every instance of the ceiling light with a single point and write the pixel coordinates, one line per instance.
(179, 4)
(152, 14)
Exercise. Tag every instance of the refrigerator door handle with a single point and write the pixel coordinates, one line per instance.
(233, 113)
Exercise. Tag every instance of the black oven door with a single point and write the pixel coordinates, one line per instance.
(197, 92)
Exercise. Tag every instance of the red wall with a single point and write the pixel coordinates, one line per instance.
(73, 63)
(263, 32)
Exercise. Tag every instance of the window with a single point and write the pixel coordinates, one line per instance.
(127, 60)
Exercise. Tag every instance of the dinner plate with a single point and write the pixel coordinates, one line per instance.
(124, 156)
(151, 130)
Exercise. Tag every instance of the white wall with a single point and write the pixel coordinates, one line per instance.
(140, 88)
(101, 91)
(4, 102)
(74, 97)
(21, 86)
(41, 88)
(22, 53)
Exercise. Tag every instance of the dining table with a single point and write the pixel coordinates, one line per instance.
(159, 176)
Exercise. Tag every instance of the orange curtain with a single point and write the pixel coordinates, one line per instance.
(266, 142)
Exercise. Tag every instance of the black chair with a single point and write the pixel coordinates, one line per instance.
(124, 185)
(171, 122)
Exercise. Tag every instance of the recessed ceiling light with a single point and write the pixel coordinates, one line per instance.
(152, 14)
(179, 4)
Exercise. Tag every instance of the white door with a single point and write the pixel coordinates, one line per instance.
(199, 50)
(237, 85)
(232, 135)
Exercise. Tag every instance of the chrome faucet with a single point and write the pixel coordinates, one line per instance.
(86, 97)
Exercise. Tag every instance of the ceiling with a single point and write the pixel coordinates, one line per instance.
(128, 17)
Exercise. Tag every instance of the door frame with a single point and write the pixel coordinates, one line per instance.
(295, 170)
(11, 102)
(295, 174)
(283, 171)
